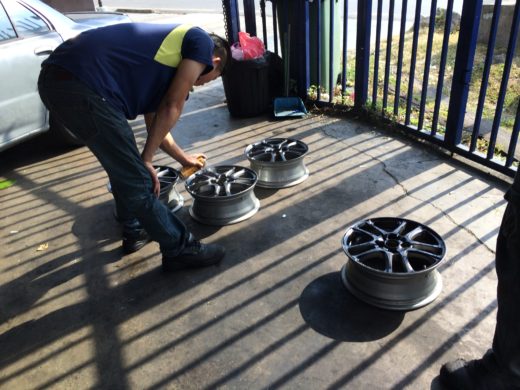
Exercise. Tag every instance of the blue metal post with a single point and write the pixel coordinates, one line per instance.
(388, 58)
(302, 49)
(485, 74)
(514, 139)
(318, 48)
(431, 30)
(442, 66)
(250, 17)
(264, 24)
(344, 64)
(402, 31)
(331, 80)
(275, 27)
(470, 18)
(364, 23)
(376, 55)
(232, 20)
(413, 60)
(505, 79)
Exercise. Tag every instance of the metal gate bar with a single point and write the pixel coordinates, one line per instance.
(427, 61)
(331, 51)
(442, 67)
(485, 74)
(344, 62)
(397, 97)
(388, 52)
(375, 86)
(411, 80)
(505, 78)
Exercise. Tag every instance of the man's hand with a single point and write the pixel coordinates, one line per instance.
(155, 180)
(195, 160)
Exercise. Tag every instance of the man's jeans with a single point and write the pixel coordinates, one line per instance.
(108, 135)
(505, 356)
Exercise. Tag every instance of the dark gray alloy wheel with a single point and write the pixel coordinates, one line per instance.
(392, 263)
(278, 162)
(223, 195)
(168, 178)
(168, 195)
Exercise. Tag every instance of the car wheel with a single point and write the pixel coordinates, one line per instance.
(278, 162)
(222, 194)
(64, 134)
(392, 263)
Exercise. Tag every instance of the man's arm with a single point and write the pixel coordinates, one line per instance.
(170, 110)
(167, 115)
(170, 147)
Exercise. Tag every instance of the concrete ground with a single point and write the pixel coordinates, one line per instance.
(76, 313)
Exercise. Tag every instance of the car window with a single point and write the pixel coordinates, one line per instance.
(26, 22)
(6, 29)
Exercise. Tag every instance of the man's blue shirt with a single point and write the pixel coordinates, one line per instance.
(128, 64)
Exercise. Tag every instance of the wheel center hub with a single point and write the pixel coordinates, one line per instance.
(222, 179)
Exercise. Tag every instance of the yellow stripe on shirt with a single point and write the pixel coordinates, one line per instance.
(169, 52)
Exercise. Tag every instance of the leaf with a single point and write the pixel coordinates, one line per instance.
(43, 247)
(6, 184)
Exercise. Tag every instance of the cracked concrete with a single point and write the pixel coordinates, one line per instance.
(274, 314)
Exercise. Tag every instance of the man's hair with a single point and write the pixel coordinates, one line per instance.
(221, 50)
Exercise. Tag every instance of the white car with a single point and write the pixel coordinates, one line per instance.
(29, 31)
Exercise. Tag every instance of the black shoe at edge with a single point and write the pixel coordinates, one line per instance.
(194, 255)
(471, 375)
(132, 243)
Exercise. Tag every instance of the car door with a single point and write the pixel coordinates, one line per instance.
(25, 41)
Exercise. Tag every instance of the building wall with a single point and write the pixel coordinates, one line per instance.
(504, 25)
(72, 5)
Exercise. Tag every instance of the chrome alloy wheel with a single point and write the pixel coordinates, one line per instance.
(278, 162)
(223, 195)
(168, 195)
(392, 263)
(168, 178)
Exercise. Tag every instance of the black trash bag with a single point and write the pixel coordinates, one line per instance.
(251, 85)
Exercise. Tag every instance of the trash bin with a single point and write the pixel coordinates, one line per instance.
(251, 85)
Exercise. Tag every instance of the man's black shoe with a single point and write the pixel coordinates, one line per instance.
(473, 375)
(194, 255)
(135, 241)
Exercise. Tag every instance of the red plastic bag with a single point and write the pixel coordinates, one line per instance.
(252, 47)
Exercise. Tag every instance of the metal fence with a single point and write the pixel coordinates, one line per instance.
(447, 71)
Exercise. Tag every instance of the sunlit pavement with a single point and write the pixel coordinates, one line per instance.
(76, 313)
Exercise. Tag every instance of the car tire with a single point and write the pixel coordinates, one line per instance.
(64, 134)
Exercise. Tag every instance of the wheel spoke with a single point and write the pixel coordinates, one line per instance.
(399, 229)
(198, 184)
(369, 252)
(292, 144)
(389, 257)
(227, 188)
(362, 246)
(426, 254)
(229, 172)
(216, 189)
(238, 174)
(361, 230)
(414, 233)
(259, 153)
(372, 224)
(431, 248)
(405, 261)
(244, 181)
